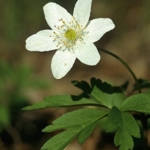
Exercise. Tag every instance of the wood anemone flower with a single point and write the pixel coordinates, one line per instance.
(72, 35)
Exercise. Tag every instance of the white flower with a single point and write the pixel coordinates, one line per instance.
(73, 36)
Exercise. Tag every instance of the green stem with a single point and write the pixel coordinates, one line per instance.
(126, 65)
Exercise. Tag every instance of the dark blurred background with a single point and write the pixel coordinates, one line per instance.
(25, 77)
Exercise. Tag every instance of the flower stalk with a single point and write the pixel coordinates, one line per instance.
(126, 65)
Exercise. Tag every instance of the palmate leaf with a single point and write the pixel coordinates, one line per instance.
(102, 92)
(118, 119)
(138, 102)
(60, 101)
(79, 123)
(106, 99)
(125, 126)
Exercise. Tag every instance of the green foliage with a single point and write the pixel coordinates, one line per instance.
(101, 92)
(124, 140)
(137, 102)
(79, 117)
(106, 103)
(125, 126)
(79, 122)
(60, 101)
(61, 140)
(114, 118)
(86, 132)
(108, 100)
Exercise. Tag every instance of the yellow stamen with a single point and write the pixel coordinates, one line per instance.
(71, 34)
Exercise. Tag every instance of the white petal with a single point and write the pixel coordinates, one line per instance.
(87, 53)
(62, 62)
(54, 13)
(82, 11)
(97, 28)
(41, 41)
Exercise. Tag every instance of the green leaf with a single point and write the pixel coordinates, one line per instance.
(123, 120)
(138, 102)
(61, 140)
(82, 121)
(125, 126)
(124, 140)
(108, 100)
(81, 117)
(103, 123)
(130, 125)
(67, 100)
(117, 99)
(114, 119)
(86, 132)
(60, 101)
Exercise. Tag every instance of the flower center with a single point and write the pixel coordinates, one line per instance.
(71, 35)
